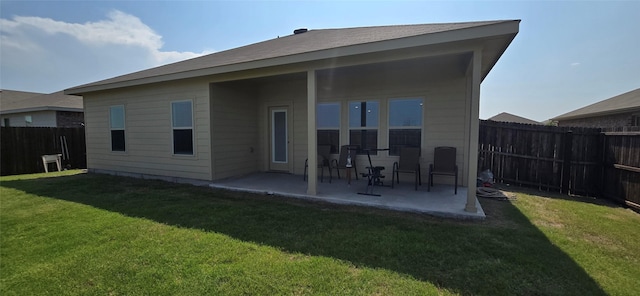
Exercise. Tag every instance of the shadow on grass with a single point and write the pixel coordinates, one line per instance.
(504, 255)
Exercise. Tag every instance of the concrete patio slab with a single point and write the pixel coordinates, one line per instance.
(440, 202)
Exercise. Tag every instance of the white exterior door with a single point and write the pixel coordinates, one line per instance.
(279, 142)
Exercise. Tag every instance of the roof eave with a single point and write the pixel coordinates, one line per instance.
(495, 59)
(43, 108)
(491, 30)
(596, 114)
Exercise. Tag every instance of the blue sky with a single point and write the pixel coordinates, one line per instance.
(568, 54)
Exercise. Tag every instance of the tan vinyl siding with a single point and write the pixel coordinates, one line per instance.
(445, 126)
(300, 133)
(148, 139)
(293, 93)
(234, 127)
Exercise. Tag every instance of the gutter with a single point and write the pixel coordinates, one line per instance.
(45, 108)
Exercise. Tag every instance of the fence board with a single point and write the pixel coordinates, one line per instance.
(21, 148)
(523, 154)
(622, 167)
(581, 161)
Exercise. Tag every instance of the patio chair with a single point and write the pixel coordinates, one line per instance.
(341, 162)
(444, 163)
(408, 163)
(324, 152)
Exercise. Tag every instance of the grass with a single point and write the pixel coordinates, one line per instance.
(71, 233)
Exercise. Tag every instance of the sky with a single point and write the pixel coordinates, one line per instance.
(567, 55)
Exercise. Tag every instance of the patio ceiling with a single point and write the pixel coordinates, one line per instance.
(433, 67)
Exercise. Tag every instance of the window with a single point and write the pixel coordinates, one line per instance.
(405, 124)
(116, 121)
(635, 120)
(182, 126)
(7, 122)
(363, 125)
(328, 118)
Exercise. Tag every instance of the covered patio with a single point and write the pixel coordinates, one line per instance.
(440, 201)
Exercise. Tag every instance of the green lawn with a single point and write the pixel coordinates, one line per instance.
(74, 233)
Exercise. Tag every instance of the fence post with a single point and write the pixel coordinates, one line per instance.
(566, 162)
(601, 183)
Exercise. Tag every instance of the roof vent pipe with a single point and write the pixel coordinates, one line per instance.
(300, 31)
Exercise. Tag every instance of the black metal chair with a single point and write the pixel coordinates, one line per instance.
(324, 152)
(444, 163)
(409, 163)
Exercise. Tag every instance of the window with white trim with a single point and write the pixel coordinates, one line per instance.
(117, 126)
(328, 125)
(182, 127)
(363, 125)
(405, 124)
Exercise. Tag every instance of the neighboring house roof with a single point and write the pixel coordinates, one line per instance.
(7, 95)
(316, 45)
(626, 102)
(18, 102)
(508, 117)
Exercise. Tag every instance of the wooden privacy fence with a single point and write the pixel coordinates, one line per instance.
(621, 171)
(22, 148)
(581, 161)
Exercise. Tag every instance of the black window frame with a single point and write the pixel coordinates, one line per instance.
(328, 134)
(363, 133)
(407, 134)
(118, 131)
(182, 135)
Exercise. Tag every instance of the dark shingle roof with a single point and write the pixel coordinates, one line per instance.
(626, 102)
(295, 44)
(14, 102)
(508, 117)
